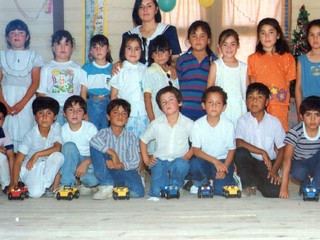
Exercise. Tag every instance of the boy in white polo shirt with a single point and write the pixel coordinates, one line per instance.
(172, 133)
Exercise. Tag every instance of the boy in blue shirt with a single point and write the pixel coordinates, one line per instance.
(301, 155)
(213, 143)
(114, 152)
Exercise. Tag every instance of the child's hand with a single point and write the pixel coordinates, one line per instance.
(173, 72)
(221, 175)
(17, 108)
(3, 150)
(284, 194)
(110, 164)
(32, 161)
(81, 169)
(220, 166)
(150, 161)
(116, 67)
(275, 178)
(267, 161)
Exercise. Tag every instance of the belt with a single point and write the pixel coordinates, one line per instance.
(97, 97)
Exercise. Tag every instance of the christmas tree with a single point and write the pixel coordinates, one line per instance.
(299, 41)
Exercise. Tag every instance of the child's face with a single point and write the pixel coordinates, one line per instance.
(314, 37)
(74, 114)
(257, 102)
(99, 52)
(214, 105)
(118, 117)
(1, 119)
(161, 57)
(268, 37)
(311, 119)
(45, 118)
(229, 47)
(169, 103)
(17, 39)
(199, 40)
(133, 52)
(62, 50)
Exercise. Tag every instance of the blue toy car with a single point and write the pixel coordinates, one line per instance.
(310, 192)
(170, 192)
(205, 191)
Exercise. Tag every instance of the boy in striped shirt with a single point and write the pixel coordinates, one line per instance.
(302, 155)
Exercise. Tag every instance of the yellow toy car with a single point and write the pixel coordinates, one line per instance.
(231, 191)
(121, 193)
(68, 193)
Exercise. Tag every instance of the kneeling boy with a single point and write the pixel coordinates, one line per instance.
(39, 158)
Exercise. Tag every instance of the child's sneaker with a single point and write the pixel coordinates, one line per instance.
(103, 193)
(48, 193)
(194, 189)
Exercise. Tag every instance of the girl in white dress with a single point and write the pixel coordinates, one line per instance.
(19, 78)
(230, 74)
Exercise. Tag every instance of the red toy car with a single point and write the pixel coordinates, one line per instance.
(18, 192)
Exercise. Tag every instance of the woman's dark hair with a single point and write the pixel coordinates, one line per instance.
(135, 13)
(132, 37)
(102, 40)
(281, 45)
(18, 24)
(315, 22)
(160, 43)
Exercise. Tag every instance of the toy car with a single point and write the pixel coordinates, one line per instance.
(18, 192)
(310, 192)
(68, 193)
(170, 192)
(231, 191)
(121, 193)
(205, 192)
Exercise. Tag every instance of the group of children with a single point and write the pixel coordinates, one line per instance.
(201, 120)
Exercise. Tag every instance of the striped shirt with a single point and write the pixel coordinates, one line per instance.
(304, 146)
(193, 77)
(125, 145)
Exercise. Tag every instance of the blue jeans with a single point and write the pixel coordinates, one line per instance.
(61, 119)
(202, 171)
(72, 160)
(166, 172)
(302, 170)
(116, 177)
(97, 111)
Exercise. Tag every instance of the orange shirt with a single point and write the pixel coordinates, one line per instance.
(275, 71)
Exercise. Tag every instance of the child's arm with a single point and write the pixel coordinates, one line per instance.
(148, 160)
(298, 90)
(16, 169)
(288, 153)
(83, 92)
(114, 93)
(189, 154)
(46, 152)
(148, 105)
(35, 79)
(273, 174)
(212, 75)
(115, 162)
(220, 166)
(253, 149)
(9, 110)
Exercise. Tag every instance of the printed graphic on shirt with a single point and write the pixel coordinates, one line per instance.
(62, 81)
(280, 95)
(315, 70)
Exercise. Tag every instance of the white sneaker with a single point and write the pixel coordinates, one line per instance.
(194, 189)
(84, 190)
(103, 193)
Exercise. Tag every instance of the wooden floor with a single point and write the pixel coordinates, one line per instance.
(187, 218)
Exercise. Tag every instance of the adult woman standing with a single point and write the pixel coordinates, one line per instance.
(147, 19)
